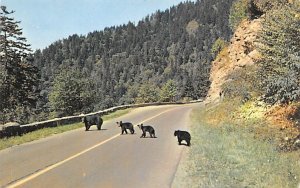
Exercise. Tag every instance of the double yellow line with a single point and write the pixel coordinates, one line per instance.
(40, 172)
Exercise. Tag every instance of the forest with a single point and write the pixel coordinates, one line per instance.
(164, 57)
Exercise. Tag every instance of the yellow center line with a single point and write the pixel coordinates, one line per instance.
(40, 172)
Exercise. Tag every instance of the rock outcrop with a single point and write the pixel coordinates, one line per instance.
(240, 53)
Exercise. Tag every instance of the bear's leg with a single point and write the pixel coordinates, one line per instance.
(153, 134)
(87, 127)
(179, 141)
(188, 142)
(143, 135)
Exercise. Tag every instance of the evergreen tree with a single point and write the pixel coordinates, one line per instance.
(168, 45)
(189, 89)
(19, 78)
(168, 92)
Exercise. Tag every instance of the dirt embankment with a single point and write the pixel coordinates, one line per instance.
(239, 54)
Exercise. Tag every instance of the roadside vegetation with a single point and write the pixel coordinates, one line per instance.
(227, 152)
(272, 82)
(46, 132)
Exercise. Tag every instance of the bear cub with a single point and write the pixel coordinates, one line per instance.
(148, 129)
(125, 126)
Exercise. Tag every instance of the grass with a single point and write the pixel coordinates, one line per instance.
(227, 154)
(116, 114)
(42, 133)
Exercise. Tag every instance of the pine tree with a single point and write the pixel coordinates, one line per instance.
(189, 89)
(18, 77)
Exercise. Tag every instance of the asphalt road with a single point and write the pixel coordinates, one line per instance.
(103, 158)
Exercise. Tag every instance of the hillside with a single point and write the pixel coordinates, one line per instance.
(238, 55)
(164, 57)
(238, 78)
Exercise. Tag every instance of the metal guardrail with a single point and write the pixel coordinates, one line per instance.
(17, 130)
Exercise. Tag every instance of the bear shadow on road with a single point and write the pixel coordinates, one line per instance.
(96, 130)
(185, 144)
(128, 134)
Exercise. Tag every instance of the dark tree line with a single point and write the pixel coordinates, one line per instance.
(168, 46)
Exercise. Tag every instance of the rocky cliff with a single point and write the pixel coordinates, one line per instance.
(239, 54)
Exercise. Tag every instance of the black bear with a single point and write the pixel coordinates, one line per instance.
(92, 120)
(124, 126)
(147, 128)
(183, 135)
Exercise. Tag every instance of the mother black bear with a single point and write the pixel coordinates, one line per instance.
(183, 135)
(92, 120)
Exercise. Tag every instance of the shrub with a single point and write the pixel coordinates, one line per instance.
(266, 5)
(241, 84)
(238, 12)
(218, 46)
(279, 45)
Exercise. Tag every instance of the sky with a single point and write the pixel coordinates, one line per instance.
(46, 21)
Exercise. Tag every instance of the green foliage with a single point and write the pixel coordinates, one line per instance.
(218, 46)
(18, 77)
(279, 45)
(266, 5)
(242, 84)
(189, 89)
(174, 44)
(71, 93)
(238, 12)
(148, 93)
(168, 92)
(131, 95)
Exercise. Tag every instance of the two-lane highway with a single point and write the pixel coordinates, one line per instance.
(103, 158)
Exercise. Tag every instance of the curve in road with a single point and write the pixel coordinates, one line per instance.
(101, 158)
